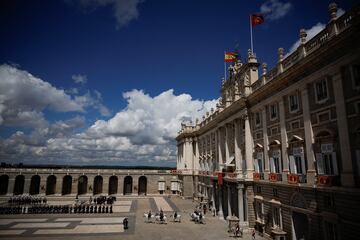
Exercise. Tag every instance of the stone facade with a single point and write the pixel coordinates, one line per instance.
(88, 182)
(282, 151)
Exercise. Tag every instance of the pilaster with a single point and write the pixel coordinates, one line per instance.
(347, 177)
(284, 140)
(309, 137)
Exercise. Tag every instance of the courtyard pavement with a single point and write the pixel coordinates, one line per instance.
(109, 226)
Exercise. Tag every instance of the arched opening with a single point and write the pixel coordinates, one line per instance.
(82, 185)
(128, 185)
(113, 185)
(142, 185)
(35, 185)
(98, 183)
(50, 185)
(66, 186)
(19, 185)
(4, 182)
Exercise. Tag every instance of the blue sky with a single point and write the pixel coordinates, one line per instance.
(110, 81)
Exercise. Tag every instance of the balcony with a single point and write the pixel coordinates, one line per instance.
(328, 180)
(258, 176)
(231, 175)
(296, 178)
(275, 177)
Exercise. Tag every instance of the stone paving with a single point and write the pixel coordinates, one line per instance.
(109, 226)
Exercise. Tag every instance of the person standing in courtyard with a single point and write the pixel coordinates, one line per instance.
(253, 234)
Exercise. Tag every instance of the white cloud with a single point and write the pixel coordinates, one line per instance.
(23, 97)
(140, 134)
(312, 32)
(81, 79)
(274, 9)
(124, 10)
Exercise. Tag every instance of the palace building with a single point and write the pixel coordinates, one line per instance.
(281, 151)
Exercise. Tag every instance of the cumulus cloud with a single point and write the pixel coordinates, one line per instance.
(124, 10)
(81, 79)
(140, 134)
(275, 9)
(23, 97)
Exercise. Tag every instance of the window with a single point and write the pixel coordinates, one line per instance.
(326, 160)
(259, 167)
(297, 161)
(330, 231)
(275, 192)
(321, 90)
(293, 103)
(276, 217)
(328, 201)
(257, 119)
(258, 189)
(275, 162)
(161, 186)
(273, 112)
(355, 75)
(259, 211)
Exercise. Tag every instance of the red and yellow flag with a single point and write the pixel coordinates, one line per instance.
(230, 57)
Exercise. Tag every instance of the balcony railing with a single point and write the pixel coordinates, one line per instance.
(231, 175)
(275, 177)
(296, 178)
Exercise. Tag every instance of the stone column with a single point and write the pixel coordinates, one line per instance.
(10, 189)
(309, 137)
(189, 153)
(219, 148)
(240, 189)
(284, 141)
(196, 158)
(347, 177)
(229, 200)
(248, 148)
(227, 133)
(266, 143)
(220, 212)
(238, 154)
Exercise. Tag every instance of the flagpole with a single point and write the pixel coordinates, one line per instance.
(224, 67)
(251, 36)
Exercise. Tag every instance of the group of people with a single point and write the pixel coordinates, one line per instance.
(102, 200)
(26, 200)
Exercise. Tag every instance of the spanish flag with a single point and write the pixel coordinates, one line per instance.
(230, 57)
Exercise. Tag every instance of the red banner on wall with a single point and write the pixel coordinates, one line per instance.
(220, 178)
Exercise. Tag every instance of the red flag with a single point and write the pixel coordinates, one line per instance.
(257, 19)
